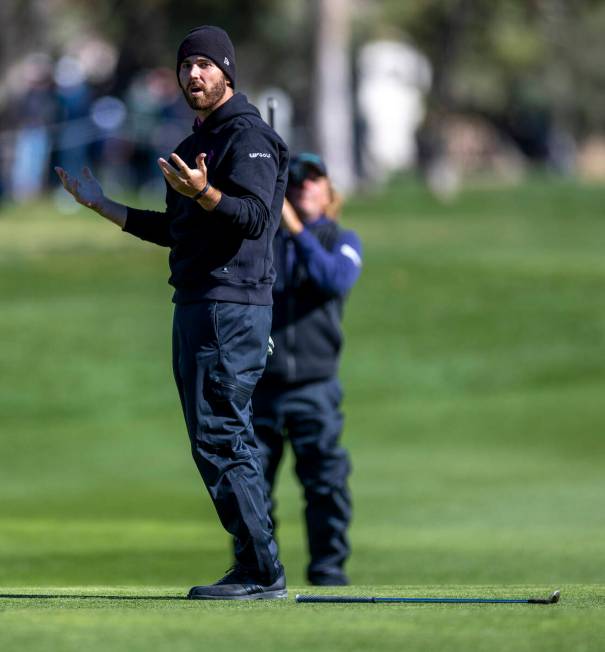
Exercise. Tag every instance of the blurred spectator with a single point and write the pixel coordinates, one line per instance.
(159, 117)
(108, 114)
(74, 97)
(299, 395)
(35, 110)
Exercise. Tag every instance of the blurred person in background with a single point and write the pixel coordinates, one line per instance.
(35, 110)
(74, 96)
(225, 190)
(299, 396)
(159, 119)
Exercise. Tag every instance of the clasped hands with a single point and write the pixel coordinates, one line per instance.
(290, 220)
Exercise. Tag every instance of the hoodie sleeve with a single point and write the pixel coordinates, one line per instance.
(334, 272)
(152, 226)
(249, 189)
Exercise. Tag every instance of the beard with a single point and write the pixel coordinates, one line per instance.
(210, 96)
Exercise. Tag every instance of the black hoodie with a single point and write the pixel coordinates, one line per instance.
(224, 254)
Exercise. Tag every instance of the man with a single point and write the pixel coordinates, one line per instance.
(299, 395)
(225, 189)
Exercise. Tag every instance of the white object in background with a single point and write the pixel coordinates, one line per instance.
(394, 77)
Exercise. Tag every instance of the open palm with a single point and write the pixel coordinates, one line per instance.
(85, 189)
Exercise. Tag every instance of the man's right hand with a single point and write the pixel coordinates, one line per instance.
(86, 190)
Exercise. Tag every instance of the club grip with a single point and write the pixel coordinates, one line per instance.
(331, 598)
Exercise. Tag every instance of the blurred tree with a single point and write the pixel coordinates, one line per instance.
(147, 32)
(333, 111)
(524, 62)
(22, 23)
(527, 65)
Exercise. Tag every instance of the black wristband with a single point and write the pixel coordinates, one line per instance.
(201, 193)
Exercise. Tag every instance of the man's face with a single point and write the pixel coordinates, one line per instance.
(202, 82)
(311, 195)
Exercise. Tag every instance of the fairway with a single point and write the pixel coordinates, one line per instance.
(474, 375)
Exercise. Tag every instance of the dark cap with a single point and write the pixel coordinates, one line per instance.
(303, 163)
(212, 42)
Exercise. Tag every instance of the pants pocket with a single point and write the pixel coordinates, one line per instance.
(228, 390)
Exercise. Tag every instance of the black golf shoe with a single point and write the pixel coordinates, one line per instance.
(240, 584)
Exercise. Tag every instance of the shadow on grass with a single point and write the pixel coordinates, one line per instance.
(54, 596)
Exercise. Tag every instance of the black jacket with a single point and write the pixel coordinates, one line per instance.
(308, 302)
(225, 254)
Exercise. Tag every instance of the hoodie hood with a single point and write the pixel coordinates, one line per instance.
(234, 107)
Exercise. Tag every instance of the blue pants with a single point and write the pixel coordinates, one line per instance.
(219, 353)
(309, 415)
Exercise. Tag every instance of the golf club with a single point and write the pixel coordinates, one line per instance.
(552, 599)
(271, 108)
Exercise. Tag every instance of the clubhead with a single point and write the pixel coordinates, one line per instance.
(555, 596)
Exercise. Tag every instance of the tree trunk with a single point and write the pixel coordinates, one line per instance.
(333, 96)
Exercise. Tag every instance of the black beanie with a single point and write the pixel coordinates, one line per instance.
(212, 42)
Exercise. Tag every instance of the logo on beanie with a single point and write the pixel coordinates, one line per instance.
(226, 61)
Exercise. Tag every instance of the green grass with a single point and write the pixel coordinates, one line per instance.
(474, 373)
(142, 624)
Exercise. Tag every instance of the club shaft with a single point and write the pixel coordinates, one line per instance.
(352, 599)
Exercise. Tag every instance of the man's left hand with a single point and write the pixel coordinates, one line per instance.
(185, 180)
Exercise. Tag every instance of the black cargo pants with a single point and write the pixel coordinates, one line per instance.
(219, 353)
(309, 415)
